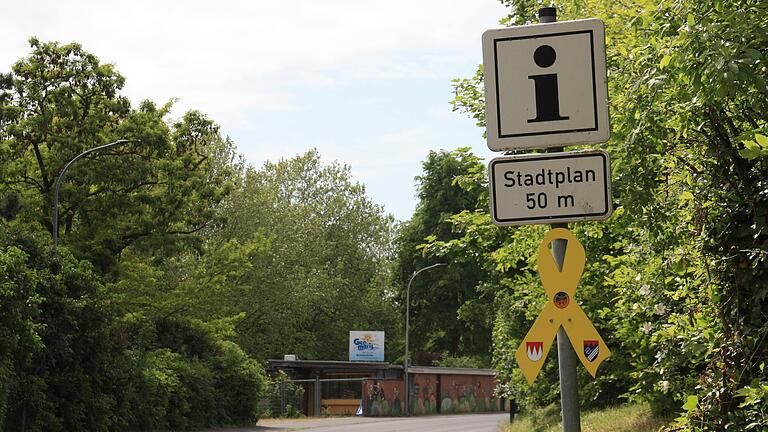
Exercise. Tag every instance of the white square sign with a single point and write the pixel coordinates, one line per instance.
(546, 85)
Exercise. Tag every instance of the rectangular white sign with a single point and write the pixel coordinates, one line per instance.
(550, 188)
(546, 85)
(366, 345)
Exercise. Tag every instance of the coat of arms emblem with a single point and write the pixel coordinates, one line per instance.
(534, 350)
(591, 349)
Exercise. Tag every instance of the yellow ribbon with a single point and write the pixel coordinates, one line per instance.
(561, 310)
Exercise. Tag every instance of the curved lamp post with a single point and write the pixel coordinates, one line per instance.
(407, 323)
(61, 177)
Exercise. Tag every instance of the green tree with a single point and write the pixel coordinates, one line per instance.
(698, 110)
(449, 312)
(60, 101)
(319, 264)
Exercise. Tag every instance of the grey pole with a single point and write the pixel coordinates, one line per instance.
(61, 177)
(547, 15)
(407, 392)
(566, 357)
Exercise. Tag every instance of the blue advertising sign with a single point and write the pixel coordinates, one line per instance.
(366, 345)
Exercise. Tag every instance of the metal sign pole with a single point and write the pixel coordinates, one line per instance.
(566, 357)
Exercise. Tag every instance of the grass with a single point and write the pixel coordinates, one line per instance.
(625, 418)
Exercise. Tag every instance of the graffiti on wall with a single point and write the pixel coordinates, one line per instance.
(467, 394)
(382, 398)
(424, 397)
(431, 394)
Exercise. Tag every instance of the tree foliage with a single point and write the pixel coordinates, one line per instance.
(60, 101)
(100, 334)
(63, 369)
(319, 263)
(448, 309)
(675, 280)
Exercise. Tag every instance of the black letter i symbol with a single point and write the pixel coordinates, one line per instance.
(547, 102)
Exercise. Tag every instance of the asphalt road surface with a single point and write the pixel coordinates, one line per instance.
(446, 423)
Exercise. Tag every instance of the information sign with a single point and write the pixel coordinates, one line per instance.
(546, 85)
(550, 187)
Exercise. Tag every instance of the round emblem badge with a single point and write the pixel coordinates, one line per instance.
(562, 300)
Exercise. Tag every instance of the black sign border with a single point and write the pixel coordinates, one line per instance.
(496, 71)
(549, 219)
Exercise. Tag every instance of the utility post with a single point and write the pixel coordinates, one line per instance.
(406, 362)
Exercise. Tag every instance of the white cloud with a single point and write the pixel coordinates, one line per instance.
(227, 57)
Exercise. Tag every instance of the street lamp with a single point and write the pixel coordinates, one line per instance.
(61, 177)
(407, 322)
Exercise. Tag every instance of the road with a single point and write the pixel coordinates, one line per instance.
(446, 423)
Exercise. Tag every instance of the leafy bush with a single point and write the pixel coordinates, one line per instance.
(18, 308)
(239, 383)
(62, 362)
(220, 385)
(67, 362)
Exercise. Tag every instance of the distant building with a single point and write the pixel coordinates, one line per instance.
(377, 388)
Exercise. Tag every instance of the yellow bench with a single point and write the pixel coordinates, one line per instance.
(341, 406)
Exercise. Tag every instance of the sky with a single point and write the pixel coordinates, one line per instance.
(366, 83)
